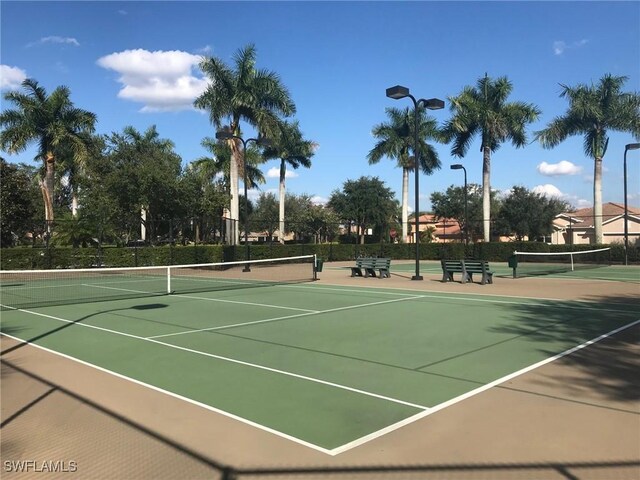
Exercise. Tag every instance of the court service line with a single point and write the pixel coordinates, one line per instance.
(246, 303)
(275, 319)
(226, 359)
(468, 297)
(266, 305)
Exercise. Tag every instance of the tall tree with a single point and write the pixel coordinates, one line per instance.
(142, 173)
(18, 201)
(396, 139)
(451, 204)
(266, 214)
(593, 111)
(525, 213)
(291, 149)
(51, 121)
(245, 93)
(365, 203)
(483, 111)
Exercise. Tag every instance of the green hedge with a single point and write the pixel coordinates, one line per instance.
(19, 258)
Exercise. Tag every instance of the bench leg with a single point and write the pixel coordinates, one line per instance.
(356, 272)
(447, 277)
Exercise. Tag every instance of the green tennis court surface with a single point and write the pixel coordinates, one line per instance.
(326, 366)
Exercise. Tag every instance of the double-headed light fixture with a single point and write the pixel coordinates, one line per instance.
(261, 142)
(397, 93)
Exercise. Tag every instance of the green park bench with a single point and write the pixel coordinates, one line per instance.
(367, 266)
(467, 268)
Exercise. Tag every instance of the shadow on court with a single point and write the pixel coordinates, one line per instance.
(154, 452)
(612, 369)
(69, 323)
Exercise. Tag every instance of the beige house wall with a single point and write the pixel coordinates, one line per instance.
(612, 232)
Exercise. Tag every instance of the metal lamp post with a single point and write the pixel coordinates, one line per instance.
(397, 93)
(630, 146)
(261, 141)
(458, 166)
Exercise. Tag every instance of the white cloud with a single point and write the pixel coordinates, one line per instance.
(274, 172)
(55, 39)
(11, 77)
(549, 190)
(161, 80)
(560, 46)
(562, 168)
(206, 50)
(318, 200)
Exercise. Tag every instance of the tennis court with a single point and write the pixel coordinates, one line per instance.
(324, 365)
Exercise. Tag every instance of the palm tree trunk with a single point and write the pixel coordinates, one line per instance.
(48, 204)
(234, 209)
(486, 193)
(597, 199)
(283, 172)
(405, 204)
(74, 203)
(47, 187)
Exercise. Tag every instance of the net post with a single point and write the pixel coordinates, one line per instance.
(168, 280)
(315, 266)
(571, 257)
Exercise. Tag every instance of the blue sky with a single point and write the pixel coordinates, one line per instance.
(135, 63)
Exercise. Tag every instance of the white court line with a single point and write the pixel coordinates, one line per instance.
(266, 305)
(467, 297)
(245, 303)
(153, 294)
(464, 396)
(226, 359)
(266, 320)
(178, 396)
(355, 443)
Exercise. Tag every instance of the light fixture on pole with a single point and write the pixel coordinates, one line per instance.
(630, 146)
(397, 93)
(260, 141)
(458, 166)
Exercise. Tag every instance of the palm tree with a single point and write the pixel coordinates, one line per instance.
(483, 110)
(245, 93)
(220, 163)
(73, 169)
(291, 148)
(396, 138)
(593, 110)
(54, 123)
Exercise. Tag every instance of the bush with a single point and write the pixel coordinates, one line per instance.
(21, 258)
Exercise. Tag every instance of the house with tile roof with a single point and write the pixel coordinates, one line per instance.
(443, 230)
(574, 228)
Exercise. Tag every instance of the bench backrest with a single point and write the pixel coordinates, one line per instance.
(470, 265)
(372, 262)
(451, 264)
(476, 265)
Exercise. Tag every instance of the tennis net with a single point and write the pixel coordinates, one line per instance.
(34, 288)
(545, 263)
